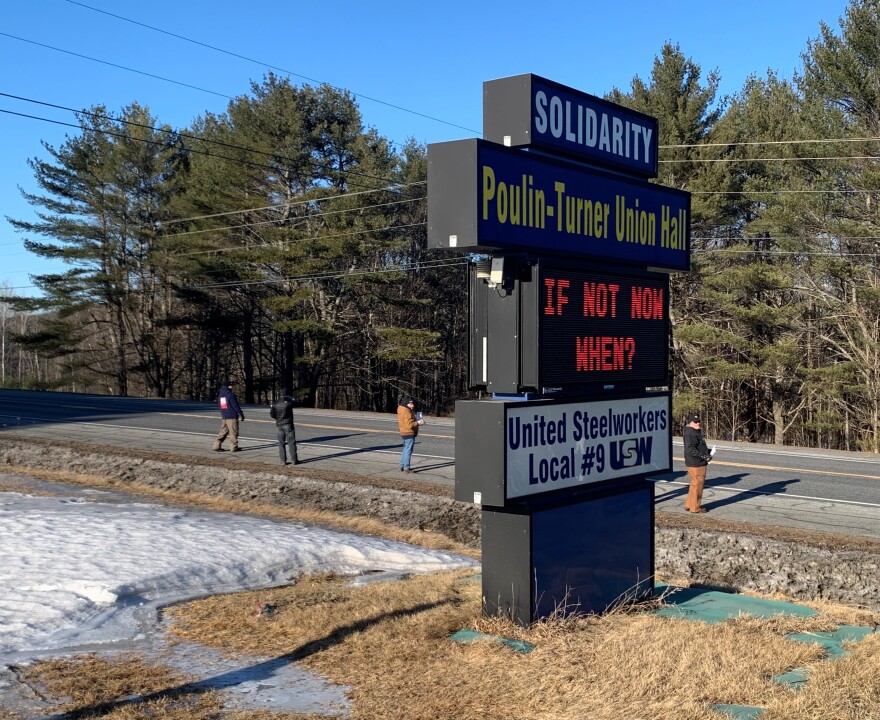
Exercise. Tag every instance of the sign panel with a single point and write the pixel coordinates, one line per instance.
(487, 197)
(601, 327)
(567, 445)
(529, 111)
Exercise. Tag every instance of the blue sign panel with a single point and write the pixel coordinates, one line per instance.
(527, 202)
(529, 111)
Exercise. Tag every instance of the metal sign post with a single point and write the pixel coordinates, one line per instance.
(569, 332)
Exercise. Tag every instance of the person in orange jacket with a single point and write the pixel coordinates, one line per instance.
(409, 428)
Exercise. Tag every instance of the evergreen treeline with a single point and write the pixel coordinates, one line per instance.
(284, 242)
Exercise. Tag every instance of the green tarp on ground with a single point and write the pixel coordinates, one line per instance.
(714, 606)
(833, 641)
(468, 636)
(741, 712)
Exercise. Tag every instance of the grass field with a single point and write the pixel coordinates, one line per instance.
(390, 643)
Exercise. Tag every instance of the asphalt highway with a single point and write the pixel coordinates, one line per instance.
(794, 487)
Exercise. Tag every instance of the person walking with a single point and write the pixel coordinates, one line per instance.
(696, 459)
(409, 428)
(282, 412)
(230, 413)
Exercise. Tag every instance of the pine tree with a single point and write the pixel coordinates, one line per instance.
(104, 192)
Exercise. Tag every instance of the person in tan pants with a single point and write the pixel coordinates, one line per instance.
(696, 459)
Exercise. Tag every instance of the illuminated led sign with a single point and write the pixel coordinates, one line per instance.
(600, 327)
(483, 196)
(529, 111)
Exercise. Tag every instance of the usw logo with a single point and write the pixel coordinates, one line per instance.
(630, 452)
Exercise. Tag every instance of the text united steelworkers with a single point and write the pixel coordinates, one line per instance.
(542, 431)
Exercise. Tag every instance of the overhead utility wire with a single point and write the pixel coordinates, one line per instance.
(357, 172)
(268, 65)
(429, 117)
(121, 67)
(202, 152)
(771, 159)
(772, 142)
(123, 136)
(267, 167)
(296, 203)
(329, 275)
(153, 142)
(782, 192)
(307, 201)
(240, 248)
(246, 162)
(332, 275)
(196, 138)
(260, 223)
(235, 212)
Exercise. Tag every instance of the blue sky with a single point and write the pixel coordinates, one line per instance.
(404, 61)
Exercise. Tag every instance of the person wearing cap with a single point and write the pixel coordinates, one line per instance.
(281, 411)
(230, 413)
(696, 459)
(409, 428)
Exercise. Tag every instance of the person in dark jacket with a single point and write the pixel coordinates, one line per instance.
(696, 459)
(282, 412)
(230, 413)
(409, 428)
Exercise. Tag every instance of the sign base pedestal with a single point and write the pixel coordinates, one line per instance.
(568, 557)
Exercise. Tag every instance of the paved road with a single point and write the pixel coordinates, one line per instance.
(811, 489)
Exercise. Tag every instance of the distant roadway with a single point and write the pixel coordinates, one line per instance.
(795, 487)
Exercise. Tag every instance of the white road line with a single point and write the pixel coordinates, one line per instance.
(738, 491)
(240, 437)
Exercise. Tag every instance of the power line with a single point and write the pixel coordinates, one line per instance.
(770, 159)
(249, 163)
(328, 275)
(806, 253)
(267, 167)
(372, 177)
(423, 115)
(294, 204)
(234, 212)
(123, 136)
(852, 191)
(187, 136)
(271, 67)
(333, 275)
(121, 67)
(260, 223)
(311, 237)
(772, 142)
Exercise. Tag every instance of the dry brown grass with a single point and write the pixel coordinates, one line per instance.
(122, 688)
(11, 484)
(127, 688)
(389, 641)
